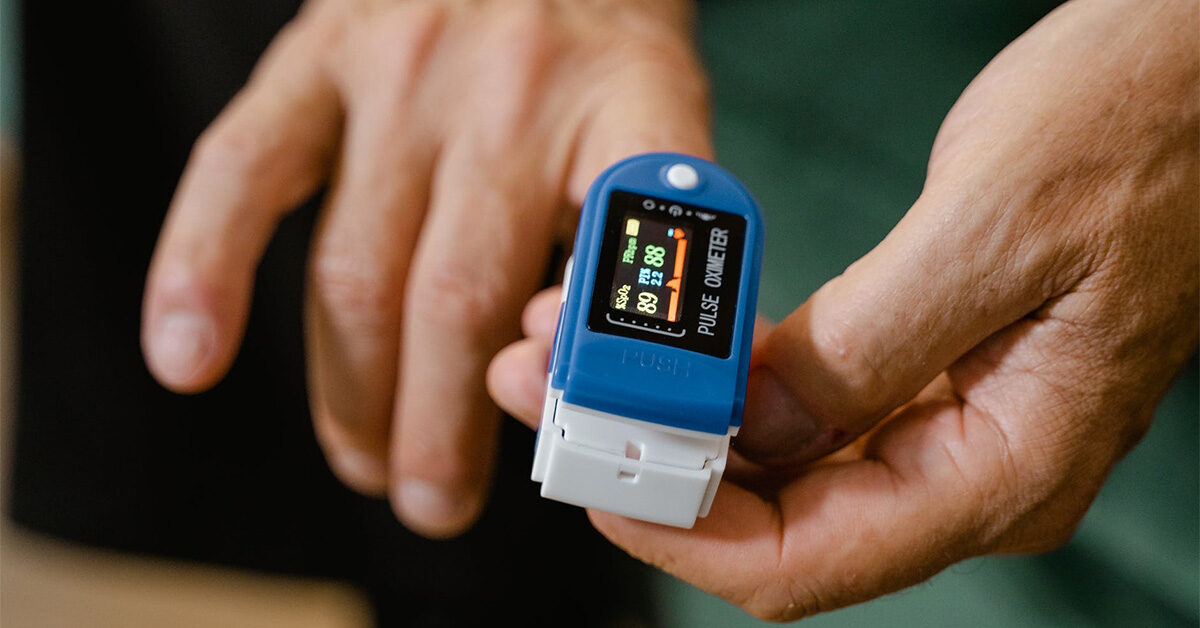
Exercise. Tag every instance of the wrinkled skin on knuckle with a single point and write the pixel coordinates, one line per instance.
(357, 294)
(455, 296)
(845, 383)
(237, 153)
(857, 376)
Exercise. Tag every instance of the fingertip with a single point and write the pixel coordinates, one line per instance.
(180, 348)
(540, 318)
(516, 379)
(362, 472)
(434, 511)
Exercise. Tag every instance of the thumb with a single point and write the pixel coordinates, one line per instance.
(872, 338)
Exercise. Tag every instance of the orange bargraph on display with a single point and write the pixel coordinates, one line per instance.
(676, 281)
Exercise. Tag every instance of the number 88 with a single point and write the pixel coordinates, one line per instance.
(654, 256)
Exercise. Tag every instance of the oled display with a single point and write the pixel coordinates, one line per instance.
(650, 273)
(668, 273)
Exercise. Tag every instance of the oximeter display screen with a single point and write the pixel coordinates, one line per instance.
(649, 276)
(669, 273)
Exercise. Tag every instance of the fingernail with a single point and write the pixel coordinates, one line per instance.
(180, 344)
(776, 427)
(432, 510)
(361, 471)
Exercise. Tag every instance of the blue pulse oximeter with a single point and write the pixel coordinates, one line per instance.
(648, 374)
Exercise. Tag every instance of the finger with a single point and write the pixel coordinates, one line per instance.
(675, 119)
(868, 340)
(360, 259)
(1002, 454)
(540, 319)
(264, 154)
(841, 532)
(516, 379)
(517, 375)
(480, 257)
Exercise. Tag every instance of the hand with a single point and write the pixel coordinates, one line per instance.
(452, 136)
(981, 370)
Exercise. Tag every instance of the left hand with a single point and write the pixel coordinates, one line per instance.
(455, 139)
(981, 370)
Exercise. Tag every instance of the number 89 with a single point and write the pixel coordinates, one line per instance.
(647, 302)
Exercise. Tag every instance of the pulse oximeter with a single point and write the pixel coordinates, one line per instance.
(647, 377)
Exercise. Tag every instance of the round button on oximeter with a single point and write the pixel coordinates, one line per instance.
(648, 374)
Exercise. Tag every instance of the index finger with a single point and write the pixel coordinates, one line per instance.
(265, 153)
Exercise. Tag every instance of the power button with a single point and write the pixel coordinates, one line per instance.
(683, 177)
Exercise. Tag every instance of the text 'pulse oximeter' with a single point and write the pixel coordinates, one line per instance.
(648, 373)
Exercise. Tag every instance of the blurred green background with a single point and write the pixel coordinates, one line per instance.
(827, 111)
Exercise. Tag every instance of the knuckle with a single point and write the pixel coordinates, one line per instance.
(357, 294)
(523, 47)
(238, 152)
(457, 297)
(313, 30)
(401, 42)
(525, 34)
(255, 162)
(658, 59)
(842, 352)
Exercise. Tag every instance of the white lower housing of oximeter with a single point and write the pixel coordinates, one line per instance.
(625, 466)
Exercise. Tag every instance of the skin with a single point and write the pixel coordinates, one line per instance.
(965, 388)
(454, 138)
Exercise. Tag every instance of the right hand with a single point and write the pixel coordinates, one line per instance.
(977, 374)
(452, 135)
